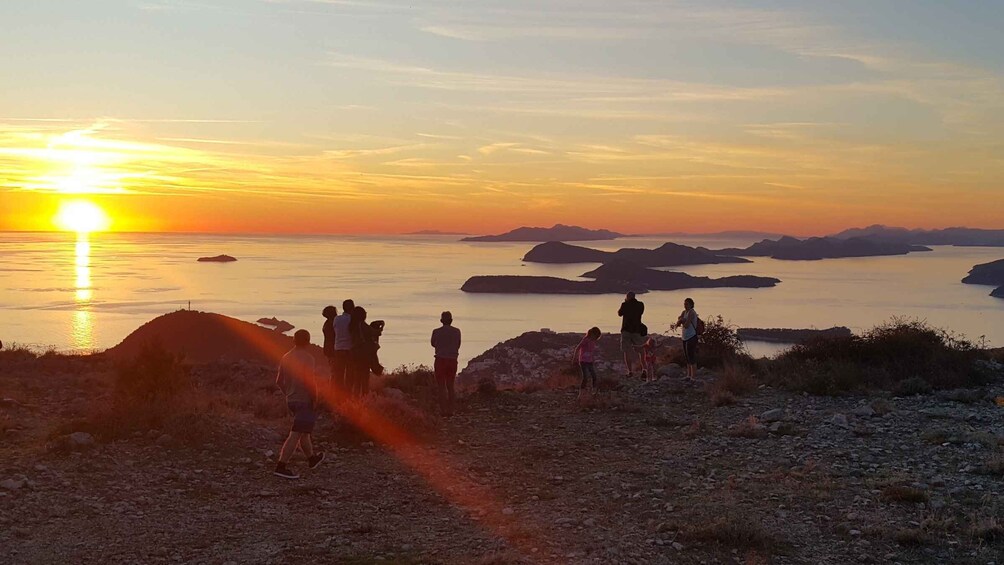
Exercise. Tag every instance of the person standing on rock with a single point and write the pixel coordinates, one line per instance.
(446, 343)
(688, 321)
(341, 349)
(297, 378)
(585, 357)
(633, 331)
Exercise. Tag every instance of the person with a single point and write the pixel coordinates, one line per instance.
(648, 358)
(446, 343)
(633, 331)
(363, 355)
(342, 348)
(298, 381)
(688, 322)
(328, 330)
(585, 356)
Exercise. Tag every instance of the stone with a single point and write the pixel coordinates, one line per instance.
(164, 439)
(774, 415)
(13, 484)
(840, 420)
(79, 440)
(865, 411)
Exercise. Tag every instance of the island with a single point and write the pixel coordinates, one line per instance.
(557, 232)
(281, 326)
(617, 277)
(435, 232)
(217, 259)
(991, 273)
(518, 284)
(816, 248)
(958, 236)
(666, 255)
(789, 335)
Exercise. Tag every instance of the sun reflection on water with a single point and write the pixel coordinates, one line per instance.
(82, 326)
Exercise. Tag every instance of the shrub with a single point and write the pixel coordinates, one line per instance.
(154, 376)
(750, 428)
(387, 420)
(487, 387)
(721, 345)
(732, 531)
(907, 357)
(734, 380)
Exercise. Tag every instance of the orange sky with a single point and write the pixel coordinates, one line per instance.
(309, 116)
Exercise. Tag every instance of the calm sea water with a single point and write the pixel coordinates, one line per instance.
(81, 295)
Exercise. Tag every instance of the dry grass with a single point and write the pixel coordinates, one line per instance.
(750, 428)
(902, 493)
(606, 402)
(741, 532)
(993, 466)
(734, 380)
(386, 419)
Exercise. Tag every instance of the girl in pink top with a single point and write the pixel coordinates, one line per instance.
(585, 356)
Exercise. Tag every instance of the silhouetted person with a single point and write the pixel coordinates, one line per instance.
(446, 342)
(342, 349)
(688, 321)
(297, 379)
(633, 331)
(585, 358)
(328, 330)
(363, 357)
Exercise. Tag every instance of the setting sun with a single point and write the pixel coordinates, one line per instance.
(81, 216)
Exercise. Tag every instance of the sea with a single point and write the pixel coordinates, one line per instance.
(83, 293)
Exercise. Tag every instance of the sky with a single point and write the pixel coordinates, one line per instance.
(386, 116)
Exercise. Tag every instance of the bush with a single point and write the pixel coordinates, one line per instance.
(734, 380)
(387, 420)
(721, 345)
(154, 376)
(907, 357)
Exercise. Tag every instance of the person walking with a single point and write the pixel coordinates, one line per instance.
(585, 357)
(633, 331)
(688, 321)
(297, 379)
(342, 349)
(446, 343)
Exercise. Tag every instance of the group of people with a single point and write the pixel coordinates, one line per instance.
(351, 347)
(636, 343)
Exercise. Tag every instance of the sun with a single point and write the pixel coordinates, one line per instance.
(81, 216)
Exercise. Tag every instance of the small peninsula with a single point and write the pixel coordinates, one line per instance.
(557, 232)
(991, 273)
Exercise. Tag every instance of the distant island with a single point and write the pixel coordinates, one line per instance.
(788, 335)
(963, 237)
(557, 232)
(666, 255)
(991, 273)
(217, 259)
(817, 248)
(616, 277)
(728, 234)
(435, 232)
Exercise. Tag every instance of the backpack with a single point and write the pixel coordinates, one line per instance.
(699, 326)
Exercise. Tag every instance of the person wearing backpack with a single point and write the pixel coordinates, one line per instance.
(692, 327)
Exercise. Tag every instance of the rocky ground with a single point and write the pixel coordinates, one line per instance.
(651, 473)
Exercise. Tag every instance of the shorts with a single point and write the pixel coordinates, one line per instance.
(631, 341)
(690, 350)
(303, 416)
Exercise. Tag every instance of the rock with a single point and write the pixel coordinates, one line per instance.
(394, 393)
(881, 406)
(13, 484)
(840, 420)
(938, 413)
(81, 440)
(865, 411)
(164, 439)
(775, 415)
(281, 326)
(217, 259)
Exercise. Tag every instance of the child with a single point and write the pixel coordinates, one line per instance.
(585, 356)
(298, 381)
(648, 359)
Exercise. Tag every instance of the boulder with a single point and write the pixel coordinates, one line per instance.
(775, 415)
(81, 440)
